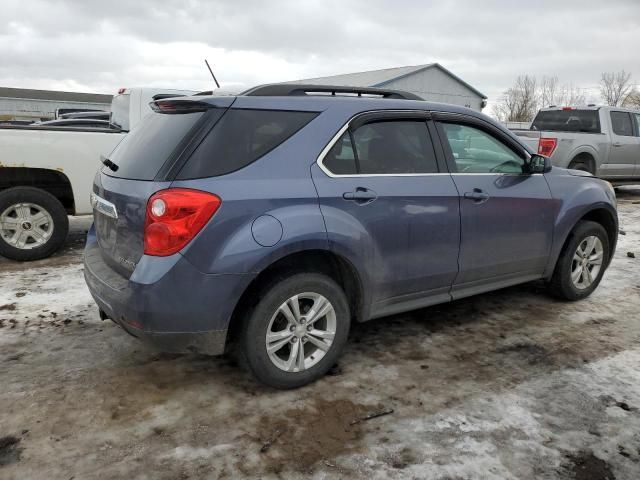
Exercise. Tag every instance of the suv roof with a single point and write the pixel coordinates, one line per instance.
(319, 98)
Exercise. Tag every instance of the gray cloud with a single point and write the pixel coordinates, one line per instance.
(99, 46)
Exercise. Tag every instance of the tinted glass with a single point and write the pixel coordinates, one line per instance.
(567, 121)
(637, 124)
(394, 147)
(240, 138)
(142, 152)
(621, 124)
(475, 151)
(341, 159)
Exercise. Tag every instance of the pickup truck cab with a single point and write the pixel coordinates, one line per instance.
(604, 141)
(46, 172)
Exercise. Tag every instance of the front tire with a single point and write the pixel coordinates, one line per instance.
(33, 224)
(297, 330)
(582, 262)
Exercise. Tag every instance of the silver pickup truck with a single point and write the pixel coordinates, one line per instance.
(604, 141)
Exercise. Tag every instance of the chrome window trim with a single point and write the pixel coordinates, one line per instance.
(336, 137)
(345, 127)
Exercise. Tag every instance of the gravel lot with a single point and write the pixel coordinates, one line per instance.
(512, 384)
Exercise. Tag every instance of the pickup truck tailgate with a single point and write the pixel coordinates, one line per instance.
(530, 137)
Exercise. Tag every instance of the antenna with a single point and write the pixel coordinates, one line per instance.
(211, 72)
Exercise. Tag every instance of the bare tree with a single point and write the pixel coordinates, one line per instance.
(549, 90)
(614, 87)
(632, 100)
(571, 95)
(520, 102)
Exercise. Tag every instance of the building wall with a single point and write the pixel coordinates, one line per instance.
(27, 109)
(436, 86)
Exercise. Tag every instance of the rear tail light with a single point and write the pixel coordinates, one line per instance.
(174, 217)
(546, 146)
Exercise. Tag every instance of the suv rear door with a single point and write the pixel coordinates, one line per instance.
(386, 200)
(506, 214)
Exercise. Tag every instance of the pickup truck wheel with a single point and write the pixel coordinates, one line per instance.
(582, 262)
(296, 332)
(580, 165)
(33, 224)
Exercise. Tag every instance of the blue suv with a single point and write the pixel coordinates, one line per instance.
(270, 221)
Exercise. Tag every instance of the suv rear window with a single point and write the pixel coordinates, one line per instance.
(240, 138)
(587, 121)
(142, 152)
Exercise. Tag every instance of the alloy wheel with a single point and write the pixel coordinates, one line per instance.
(587, 262)
(301, 332)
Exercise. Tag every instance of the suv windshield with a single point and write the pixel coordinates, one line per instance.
(587, 121)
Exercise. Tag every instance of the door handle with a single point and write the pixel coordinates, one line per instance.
(477, 195)
(616, 144)
(360, 195)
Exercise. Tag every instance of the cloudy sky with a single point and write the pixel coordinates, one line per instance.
(99, 46)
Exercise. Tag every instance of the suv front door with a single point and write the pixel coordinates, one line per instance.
(388, 205)
(506, 214)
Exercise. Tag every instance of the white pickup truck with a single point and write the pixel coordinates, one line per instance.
(46, 173)
(604, 141)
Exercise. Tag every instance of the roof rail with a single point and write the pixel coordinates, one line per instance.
(292, 89)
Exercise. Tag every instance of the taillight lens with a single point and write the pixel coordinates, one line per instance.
(546, 146)
(174, 217)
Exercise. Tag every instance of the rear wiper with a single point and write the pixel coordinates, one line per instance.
(108, 163)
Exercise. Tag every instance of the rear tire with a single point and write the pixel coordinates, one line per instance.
(33, 224)
(582, 262)
(282, 342)
(581, 165)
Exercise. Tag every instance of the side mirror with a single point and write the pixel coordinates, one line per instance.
(539, 164)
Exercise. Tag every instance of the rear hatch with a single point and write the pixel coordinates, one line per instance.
(140, 166)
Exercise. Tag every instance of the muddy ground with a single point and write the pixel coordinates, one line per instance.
(512, 384)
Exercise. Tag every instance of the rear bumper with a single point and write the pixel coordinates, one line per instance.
(167, 302)
(207, 343)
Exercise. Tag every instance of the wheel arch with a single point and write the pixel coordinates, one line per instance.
(600, 215)
(52, 181)
(584, 155)
(337, 267)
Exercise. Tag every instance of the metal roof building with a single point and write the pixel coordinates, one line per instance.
(431, 81)
(29, 104)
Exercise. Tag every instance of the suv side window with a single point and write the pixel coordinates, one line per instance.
(637, 124)
(621, 124)
(393, 147)
(389, 147)
(476, 151)
(240, 138)
(341, 159)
